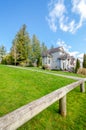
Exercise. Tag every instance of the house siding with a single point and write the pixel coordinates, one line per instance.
(54, 60)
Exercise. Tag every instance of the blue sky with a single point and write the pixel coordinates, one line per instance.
(55, 22)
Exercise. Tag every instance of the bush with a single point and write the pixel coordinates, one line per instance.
(82, 71)
(24, 63)
(7, 60)
(46, 67)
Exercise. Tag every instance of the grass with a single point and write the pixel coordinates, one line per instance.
(69, 73)
(19, 87)
(58, 72)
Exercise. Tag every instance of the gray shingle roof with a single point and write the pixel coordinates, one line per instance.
(53, 50)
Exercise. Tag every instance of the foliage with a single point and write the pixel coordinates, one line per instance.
(52, 46)
(82, 71)
(2, 52)
(43, 48)
(21, 46)
(84, 61)
(8, 59)
(36, 50)
(77, 65)
(24, 51)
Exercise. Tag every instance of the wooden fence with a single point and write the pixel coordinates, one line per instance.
(15, 119)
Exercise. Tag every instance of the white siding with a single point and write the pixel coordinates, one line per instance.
(47, 61)
(55, 63)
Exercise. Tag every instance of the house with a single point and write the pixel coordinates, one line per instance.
(57, 58)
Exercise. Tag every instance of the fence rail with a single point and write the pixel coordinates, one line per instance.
(15, 119)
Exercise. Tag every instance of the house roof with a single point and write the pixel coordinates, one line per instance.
(58, 49)
(64, 55)
(53, 50)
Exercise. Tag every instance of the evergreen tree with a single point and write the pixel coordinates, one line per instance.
(43, 48)
(52, 46)
(2, 52)
(36, 50)
(77, 65)
(84, 61)
(14, 51)
(21, 47)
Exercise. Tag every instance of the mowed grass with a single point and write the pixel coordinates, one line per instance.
(69, 73)
(57, 72)
(19, 87)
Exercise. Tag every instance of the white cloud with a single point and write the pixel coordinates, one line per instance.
(67, 48)
(63, 44)
(79, 7)
(74, 53)
(55, 13)
(80, 56)
(52, 25)
(58, 15)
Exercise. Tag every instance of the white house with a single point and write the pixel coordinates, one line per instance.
(57, 58)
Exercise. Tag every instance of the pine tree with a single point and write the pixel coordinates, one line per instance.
(52, 46)
(2, 52)
(14, 51)
(43, 48)
(21, 46)
(77, 65)
(84, 61)
(36, 50)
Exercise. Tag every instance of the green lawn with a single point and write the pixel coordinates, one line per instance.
(19, 87)
(69, 73)
(57, 72)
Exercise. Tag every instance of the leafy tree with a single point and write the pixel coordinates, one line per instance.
(77, 65)
(84, 61)
(21, 46)
(36, 50)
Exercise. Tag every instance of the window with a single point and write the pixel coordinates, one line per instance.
(49, 61)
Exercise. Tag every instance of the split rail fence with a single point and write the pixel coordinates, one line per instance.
(17, 118)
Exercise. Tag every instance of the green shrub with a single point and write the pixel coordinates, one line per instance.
(24, 63)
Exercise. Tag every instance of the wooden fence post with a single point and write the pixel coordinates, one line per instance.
(62, 106)
(82, 87)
